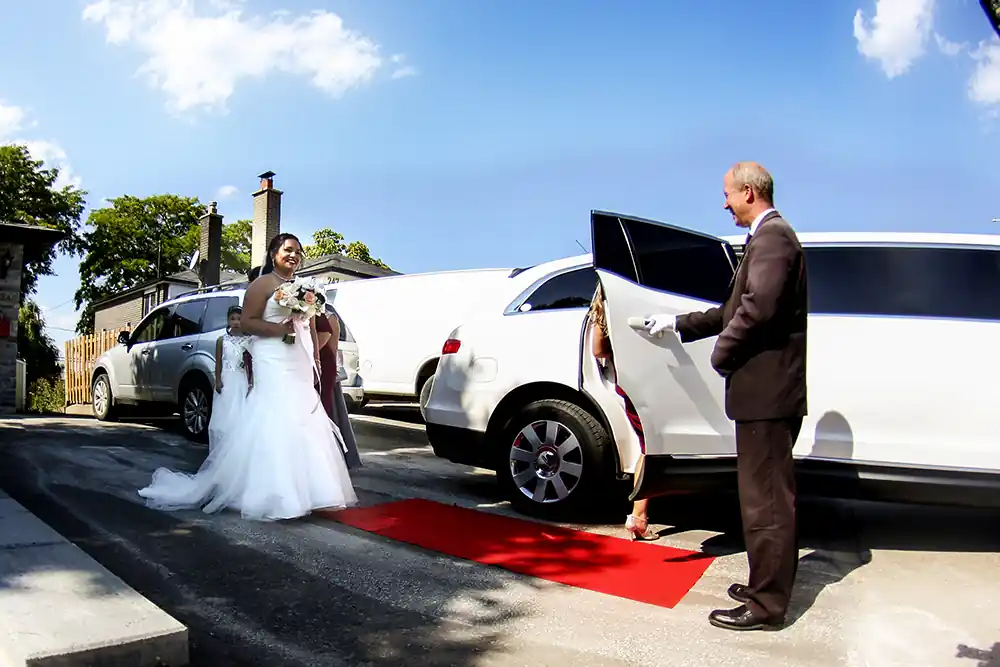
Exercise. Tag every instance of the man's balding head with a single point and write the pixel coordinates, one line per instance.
(749, 190)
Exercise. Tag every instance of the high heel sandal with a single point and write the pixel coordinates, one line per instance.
(632, 526)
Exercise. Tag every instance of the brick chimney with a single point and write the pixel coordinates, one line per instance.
(210, 247)
(266, 218)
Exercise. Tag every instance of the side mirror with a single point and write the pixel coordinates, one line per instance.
(123, 337)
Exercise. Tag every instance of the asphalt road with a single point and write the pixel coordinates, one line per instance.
(878, 585)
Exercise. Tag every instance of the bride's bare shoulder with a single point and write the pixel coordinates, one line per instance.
(258, 292)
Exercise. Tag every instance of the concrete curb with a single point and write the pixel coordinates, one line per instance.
(61, 608)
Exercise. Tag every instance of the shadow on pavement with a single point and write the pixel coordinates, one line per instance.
(261, 600)
(986, 658)
(399, 411)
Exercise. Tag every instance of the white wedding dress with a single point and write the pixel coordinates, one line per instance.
(284, 457)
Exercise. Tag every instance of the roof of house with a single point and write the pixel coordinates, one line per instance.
(37, 240)
(345, 265)
(309, 267)
(189, 277)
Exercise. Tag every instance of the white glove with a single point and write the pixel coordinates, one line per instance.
(657, 325)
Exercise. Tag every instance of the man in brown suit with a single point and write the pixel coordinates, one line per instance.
(761, 353)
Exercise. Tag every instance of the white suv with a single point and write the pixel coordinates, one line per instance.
(167, 364)
(903, 393)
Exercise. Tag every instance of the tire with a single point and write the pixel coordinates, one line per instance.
(102, 399)
(195, 408)
(544, 481)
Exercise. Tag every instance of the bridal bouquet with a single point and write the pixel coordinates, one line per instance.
(305, 297)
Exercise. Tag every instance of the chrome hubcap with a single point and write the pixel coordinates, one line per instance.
(546, 461)
(196, 411)
(101, 397)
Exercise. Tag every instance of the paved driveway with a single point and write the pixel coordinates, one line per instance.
(879, 585)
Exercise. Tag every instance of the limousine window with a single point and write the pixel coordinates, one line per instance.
(904, 281)
(682, 262)
(573, 289)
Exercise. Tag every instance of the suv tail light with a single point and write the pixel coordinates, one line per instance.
(451, 346)
(633, 418)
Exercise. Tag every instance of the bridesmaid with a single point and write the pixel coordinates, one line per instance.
(330, 391)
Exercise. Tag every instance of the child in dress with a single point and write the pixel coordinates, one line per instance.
(233, 379)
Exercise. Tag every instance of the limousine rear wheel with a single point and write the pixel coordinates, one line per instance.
(554, 458)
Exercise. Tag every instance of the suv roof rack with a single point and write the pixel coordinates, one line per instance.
(225, 287)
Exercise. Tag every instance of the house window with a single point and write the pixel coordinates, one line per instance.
(149, 302)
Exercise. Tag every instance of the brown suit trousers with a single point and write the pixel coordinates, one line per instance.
(761, 352)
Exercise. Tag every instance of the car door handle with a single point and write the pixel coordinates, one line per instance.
(637, 323)
(187, 346)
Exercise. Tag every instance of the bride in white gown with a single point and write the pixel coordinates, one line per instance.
(285, 458)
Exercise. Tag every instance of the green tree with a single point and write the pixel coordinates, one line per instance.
(133, 241)
(328, 242)
(34, 345)
(28, 196)
(992, 10)
(236, 240)
(359, 250)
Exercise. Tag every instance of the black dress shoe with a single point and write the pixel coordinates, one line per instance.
(740, 618)
(739, 593)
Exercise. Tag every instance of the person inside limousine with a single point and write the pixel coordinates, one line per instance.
(636, 523)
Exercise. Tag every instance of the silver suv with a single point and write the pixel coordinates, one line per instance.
(167, 364)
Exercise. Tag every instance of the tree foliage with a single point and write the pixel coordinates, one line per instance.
(35, 346)
(28, 196)
(134, 241)
(328, 242)
(236, 241)
(992, 10)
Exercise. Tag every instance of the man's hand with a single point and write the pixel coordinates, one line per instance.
(657, 325)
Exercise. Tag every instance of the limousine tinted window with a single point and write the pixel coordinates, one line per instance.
(682, 262)
(920, 282)
(573, 289)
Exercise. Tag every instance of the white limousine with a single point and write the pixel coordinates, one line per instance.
(903, 376)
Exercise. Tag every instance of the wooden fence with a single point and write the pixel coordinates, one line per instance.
(80, 356)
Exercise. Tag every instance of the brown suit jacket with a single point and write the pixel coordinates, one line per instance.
(761, 350)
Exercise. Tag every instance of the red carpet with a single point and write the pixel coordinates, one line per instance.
(646, 572)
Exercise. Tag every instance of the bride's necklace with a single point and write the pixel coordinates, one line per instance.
(280, 276)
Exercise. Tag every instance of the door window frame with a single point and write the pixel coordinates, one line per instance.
(145, 323)
(635, 275)
(172, 308)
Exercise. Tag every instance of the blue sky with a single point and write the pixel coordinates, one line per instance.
(455, 134)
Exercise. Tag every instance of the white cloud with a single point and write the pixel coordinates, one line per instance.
(198, 51)
(226, 191)
(402, 70)
(13, 122)
(948, 47)
(897, 35)
(984, 86)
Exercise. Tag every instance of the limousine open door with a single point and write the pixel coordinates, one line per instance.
(648, 268)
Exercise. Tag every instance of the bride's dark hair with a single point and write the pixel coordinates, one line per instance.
(272, 250)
